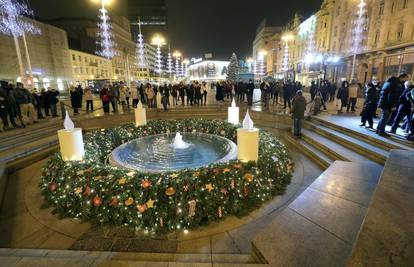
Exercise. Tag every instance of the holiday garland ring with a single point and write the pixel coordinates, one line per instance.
(94, 191)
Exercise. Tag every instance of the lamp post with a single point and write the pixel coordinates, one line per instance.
(177, 56)
(159, 41)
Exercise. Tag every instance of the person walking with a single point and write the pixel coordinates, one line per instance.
(76, 98)
(52, 99)
(149, 91)
(353, 96)
(24, 99)
(390, 94)
(404, 107)
(287, 94)
(370, 106)
(105, 98)
(135, 97)
(113, 97)
(298, 113)
(37, 104)
(89, 98)
(249, 92)
(181, 91)
(7, 105)
(343, 95)
(204, 92)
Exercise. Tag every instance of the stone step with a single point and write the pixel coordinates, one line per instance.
(368, 136)
(42, 257)
(369, 151)
(318, 157)
(333, 148)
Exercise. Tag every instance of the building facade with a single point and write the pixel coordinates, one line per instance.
(88, 69)
(48, 55)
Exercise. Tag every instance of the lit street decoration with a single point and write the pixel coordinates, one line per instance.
(285, 64)
(261, 58)
(177, 56)
(358, 34)
(105, 36)
(158, 41)
(169, 63)
(141, 47)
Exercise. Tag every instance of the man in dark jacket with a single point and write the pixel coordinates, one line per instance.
(390, 95)
(298, 113)
(404, 107)
(52, 100)
(249, 92)
(287, 93)
(7, 109)
(25, 101)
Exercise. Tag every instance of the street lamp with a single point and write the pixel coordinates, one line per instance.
(177, 56)
(159, 41)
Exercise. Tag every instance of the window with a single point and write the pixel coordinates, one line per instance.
(377, 34)
(392, 7)
(400, 31)
(73, 57)
(335, 33)
(381, 8)
(388, 36)
(405, 3)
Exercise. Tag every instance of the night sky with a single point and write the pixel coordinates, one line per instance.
(197, 27)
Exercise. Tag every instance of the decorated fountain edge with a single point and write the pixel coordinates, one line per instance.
(94, 192)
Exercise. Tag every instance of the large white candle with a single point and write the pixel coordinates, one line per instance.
(140, 115)
(71, 141)
(233, 113)
(248, 141)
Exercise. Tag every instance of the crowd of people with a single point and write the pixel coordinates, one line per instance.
(20, 107)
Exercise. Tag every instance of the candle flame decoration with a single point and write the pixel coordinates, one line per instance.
(233, 103)
(248, 122)
(68, 123)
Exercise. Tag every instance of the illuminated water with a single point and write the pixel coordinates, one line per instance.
(157, 154)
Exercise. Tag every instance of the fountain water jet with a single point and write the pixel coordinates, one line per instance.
(179, 143)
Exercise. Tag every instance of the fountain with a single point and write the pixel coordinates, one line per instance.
(169, 152)
(179, 143)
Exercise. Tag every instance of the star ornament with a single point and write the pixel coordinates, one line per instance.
(174, 176)
(209, 187)
(122, 181)
(78, 190)
(150, 203)
(226, 170)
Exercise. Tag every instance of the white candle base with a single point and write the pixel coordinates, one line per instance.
(233, 115)
(71, 144)
(140, 117)
(248, 144)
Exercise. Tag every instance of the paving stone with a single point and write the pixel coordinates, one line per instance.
(46, 262)
(223, 244)
(58, 241)
(149, 245)
(356, 190)
(366, 171)
(9, 261)
(200, 245)
(121, 244)
(36, 239)
(341, 217)
(94, 244)
(104, 263)
(300, 242)
(17, 228)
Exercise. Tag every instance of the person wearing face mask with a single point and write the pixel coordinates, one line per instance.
(404, 107)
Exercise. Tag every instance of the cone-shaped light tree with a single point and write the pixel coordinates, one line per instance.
(233, 68)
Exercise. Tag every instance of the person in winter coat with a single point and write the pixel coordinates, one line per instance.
(7, 102)
(37, 104)
(404, 107)
(287, 93)
(249, 92)
(123, 91)
(181, 91)
(89, 98)
(174, 93)
(343, 95)
(388, 102)
(353, 96)
(135, 97)
(149, 91)
(25, 101)
(105, 98)
(52, 100)
(313, 90)
(370, 106)
(76, 98)
(204, 93)
(298, 113)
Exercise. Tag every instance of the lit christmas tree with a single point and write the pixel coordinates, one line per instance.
(359, 33)
(169, 63)
(105, 36)
(233, 68)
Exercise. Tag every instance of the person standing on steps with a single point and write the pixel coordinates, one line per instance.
(298, 113)
(390, 94)
(249, 93)
(343, 95)
(404, 107)
(370, 106)
(89, 98)
(353, 96)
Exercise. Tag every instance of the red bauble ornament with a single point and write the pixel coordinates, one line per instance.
(146, 183)
(53, 187)
(142, 208)
(97, 201)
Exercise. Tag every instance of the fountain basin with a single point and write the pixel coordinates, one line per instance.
(156, 153)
